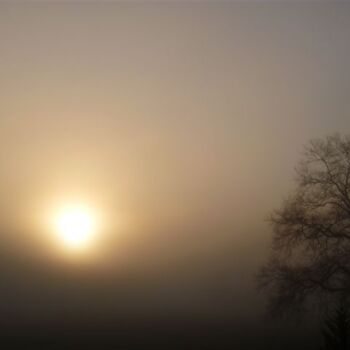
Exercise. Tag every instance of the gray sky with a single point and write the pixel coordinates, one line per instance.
(182, 123)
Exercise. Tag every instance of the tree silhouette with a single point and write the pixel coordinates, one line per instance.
(311, 231)
(335, 331)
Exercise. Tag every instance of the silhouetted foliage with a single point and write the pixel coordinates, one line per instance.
(311, 231)
(335, 331)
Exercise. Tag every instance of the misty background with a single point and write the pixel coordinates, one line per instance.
(183, 123)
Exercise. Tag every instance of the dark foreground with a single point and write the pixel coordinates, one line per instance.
(201, 335)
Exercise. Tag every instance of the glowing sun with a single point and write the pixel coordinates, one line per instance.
(75, 226)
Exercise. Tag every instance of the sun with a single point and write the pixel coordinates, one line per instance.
(75, 226)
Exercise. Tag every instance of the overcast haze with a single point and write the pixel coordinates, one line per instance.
(181, 123)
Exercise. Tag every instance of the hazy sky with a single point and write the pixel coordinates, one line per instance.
(181, 123)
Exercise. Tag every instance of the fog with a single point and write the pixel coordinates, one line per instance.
(182, 124)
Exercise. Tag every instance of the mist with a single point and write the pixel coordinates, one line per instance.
(181, 123)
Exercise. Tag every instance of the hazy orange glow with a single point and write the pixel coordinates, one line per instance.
(75, 226)
(142, 146)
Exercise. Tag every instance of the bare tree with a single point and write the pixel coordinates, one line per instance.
(336, 326)
(311, 231)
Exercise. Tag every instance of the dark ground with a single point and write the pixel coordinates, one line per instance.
(153, 335)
